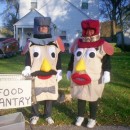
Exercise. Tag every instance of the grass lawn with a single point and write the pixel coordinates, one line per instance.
(114, 107)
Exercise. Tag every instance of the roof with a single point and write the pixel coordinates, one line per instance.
(6, 40)
(28, 19)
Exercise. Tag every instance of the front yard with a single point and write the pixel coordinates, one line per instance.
(114, 107)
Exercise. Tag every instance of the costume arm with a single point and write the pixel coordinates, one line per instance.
(106, 63)
(28, 59)
(106, 67)
(70, 65)
(58, 66)
(27, 69)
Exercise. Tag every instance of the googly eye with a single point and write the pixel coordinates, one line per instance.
(52, 52)
(91, 52)
(36, 52)
(78, 53)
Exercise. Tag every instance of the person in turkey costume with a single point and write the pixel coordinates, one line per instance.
(43, 62)
(89, 69)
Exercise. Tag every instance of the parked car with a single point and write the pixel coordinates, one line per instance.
(8, 47)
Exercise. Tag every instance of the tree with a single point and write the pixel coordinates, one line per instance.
(10, 13)
(116, 11)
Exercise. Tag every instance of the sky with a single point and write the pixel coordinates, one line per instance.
(1, 10)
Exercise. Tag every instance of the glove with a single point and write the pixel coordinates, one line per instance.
(59, 75)
(106, 77)
(68, 75)
(27, 71)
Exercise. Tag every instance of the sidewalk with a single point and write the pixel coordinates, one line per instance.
(72, 127)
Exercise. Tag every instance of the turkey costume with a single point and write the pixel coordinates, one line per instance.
(43, 62)
(89, 68)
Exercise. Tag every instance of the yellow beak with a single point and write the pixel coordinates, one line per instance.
(80, 66)
(45, 66)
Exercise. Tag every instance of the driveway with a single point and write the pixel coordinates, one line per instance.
(72, 127)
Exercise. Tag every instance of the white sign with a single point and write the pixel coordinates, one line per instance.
(15, 94)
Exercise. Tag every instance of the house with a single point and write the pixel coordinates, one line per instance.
(125, 38)
(66, 17)
(106, 30)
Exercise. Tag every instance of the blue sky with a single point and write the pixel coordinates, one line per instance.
(1, 10)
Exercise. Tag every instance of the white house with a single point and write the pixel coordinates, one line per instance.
(126, 34)
(66, 17)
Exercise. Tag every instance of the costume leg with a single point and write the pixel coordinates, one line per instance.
(81, 107)
(93, 109)
(48, 108)
(34, 119)
(81, 111)
(35, 111)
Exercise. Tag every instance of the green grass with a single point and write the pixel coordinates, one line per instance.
(13, 64)
(114, 107)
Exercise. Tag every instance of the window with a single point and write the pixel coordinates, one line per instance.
(33, 4)
(63, 35)
(84, 4)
